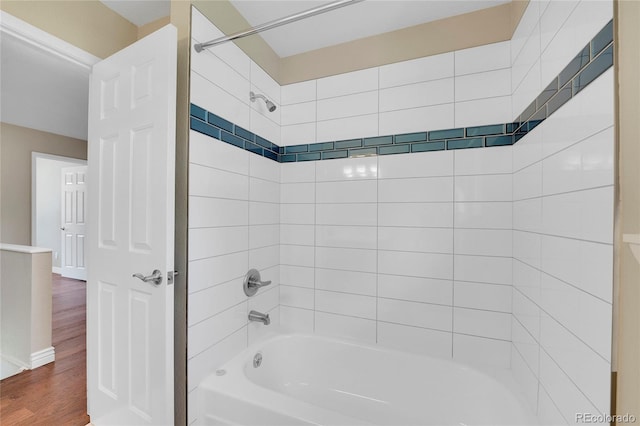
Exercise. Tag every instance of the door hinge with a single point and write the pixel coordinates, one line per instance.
(171, 277)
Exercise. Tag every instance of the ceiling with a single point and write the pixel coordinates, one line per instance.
(41, 90)
(352, 22)
(45, 92)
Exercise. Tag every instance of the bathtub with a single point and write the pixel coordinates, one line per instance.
(312, 380)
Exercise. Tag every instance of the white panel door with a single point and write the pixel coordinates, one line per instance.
(131, 160)
(73, 227)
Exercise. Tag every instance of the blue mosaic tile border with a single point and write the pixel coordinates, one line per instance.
(593, 60)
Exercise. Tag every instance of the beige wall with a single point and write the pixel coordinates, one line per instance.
(459, 32)
(627, 268)
(16, 145)
(147, 29)
(87, 24)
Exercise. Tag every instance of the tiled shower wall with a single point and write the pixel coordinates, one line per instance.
(415, 251)
(563, 220)
(411, 251)
(234, 210)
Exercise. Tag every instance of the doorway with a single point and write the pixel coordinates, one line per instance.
(47, 205)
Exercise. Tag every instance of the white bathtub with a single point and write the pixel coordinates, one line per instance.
(308, 379)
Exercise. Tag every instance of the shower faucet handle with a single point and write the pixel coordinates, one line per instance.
(252, 282)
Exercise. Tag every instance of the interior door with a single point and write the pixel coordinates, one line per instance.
(131, 160)
(73, 215)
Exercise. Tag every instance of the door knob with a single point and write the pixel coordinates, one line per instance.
(155, 277)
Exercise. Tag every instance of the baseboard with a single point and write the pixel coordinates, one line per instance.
(43, 357)
(14, 361)
(57, 270)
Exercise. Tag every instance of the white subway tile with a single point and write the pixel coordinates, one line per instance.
(346, 281)
(345, 304)
(527, 91)
(297, 234)
(265, 258)
(583, 264)
(211, 331)
(227, 267)
(587, 164)
(574, 357)
(548, 413)
(416, 165)
(298, 92)
(426, 240)
(495, 215)
(527, 313)
(265, 127)
(297, 172)
(264, 168)
(485, 242)
(264, 190)
(357, 168)
(298, 113)
(481, 351)
(427, 290)
(300, 276)
(524, 29)
(264, 83)
(483, 188)
(207, 362)
(263, 213)
(434, 189)
(584, 215)
(527, 215)
(526, 247)
(417, 119)
(417, 95)
(346, 214)
(524, 377)
(202, 29)
(215, 70)
(525, 346)
(483, 161)
(495, 325)
(528, 56)
(348, 106)
(415, 264)
(345, 326)
(485, 269)
(586, 114)
(300, 214)
(346, 236)
(210, 212)
(296, 255)
(208, 182)
(416, 70)
(347, 128)
(562, 391)
(211, 152)
(363, 191)
(347, 83)
(483, 111)
(527, 183)
(209, 302)
(263, 236)
(296, 134)
(296, 319)
(215, 99)
(297, 193)
(264, 301)
(585, 316)
(527, 280)
(209, 242)
(438, 215)
(489, 84)
(346, 259)
(418, 340)
(490, 297)
(424, 315)
(483, 58)
(296, 297)
(528, 150)
(553, 18)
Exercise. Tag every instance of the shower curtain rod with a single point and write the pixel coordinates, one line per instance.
(276, 23)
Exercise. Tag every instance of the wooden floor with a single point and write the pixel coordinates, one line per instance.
(56, 393)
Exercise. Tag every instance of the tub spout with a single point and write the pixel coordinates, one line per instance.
(258, 316)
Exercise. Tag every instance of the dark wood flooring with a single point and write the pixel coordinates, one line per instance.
(56, 393)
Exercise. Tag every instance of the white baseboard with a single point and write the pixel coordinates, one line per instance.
(14, 361)
(43, 357)
(57, 270)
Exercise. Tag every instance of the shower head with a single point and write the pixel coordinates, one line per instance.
(270, 105)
